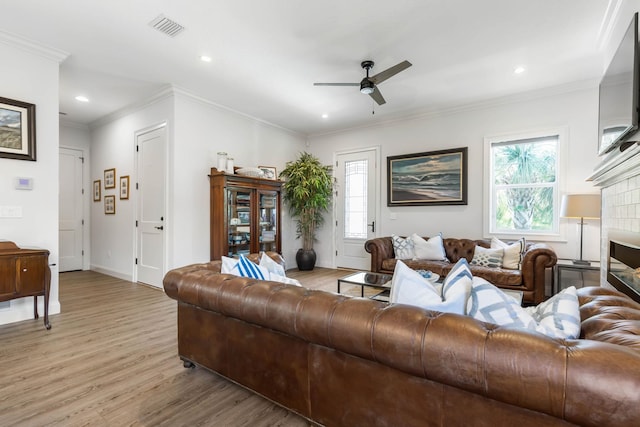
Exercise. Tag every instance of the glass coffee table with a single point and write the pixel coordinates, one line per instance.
(382, 282)
(379, 281)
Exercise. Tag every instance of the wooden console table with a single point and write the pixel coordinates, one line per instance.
(25, 273)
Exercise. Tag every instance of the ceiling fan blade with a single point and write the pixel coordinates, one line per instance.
(390, 72)
(377, 96)
(336, 84)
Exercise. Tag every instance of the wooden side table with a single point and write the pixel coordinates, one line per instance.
(24, 273)
(566, 274)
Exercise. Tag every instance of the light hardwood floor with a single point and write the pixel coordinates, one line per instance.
(111, 359)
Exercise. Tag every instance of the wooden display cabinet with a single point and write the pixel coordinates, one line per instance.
(25, 273)
(244, 215)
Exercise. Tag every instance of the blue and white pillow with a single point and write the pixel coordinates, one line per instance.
(409, 287)
(487, 257)
(403, 248)
(559, 316)
(489, 304)
(243, 267)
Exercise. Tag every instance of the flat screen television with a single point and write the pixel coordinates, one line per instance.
(619, 88)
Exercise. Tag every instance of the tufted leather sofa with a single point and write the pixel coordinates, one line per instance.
(342, 361)
(530, 279)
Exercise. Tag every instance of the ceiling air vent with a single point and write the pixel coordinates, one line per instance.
(166, 26)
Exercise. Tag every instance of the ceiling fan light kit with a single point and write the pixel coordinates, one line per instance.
(368, 85)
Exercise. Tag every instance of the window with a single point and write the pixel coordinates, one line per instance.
(523, 184)
(355, 210)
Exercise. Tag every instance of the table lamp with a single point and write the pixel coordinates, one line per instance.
(580, 206)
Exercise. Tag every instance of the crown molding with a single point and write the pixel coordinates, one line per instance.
(608, 24)
(181, 91)
(32, 47)
(162, 94)
(475, 106)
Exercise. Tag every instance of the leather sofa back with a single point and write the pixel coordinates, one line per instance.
(563, 379)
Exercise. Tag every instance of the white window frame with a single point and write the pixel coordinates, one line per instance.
(557, 233)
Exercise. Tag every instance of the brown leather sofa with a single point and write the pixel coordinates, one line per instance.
(530, 279)
(342, 361)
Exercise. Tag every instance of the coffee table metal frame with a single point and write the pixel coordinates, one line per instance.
(368, 279)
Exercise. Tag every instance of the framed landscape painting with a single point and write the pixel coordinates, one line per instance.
(17, 130)
(430, 178)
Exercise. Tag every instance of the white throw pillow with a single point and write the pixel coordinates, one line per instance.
(432, 249)
(487, 257)
(559, 316)
(403, 248)
(409, 287)
(512, 252)
(489, 304)
(276, 271)
(273, 267)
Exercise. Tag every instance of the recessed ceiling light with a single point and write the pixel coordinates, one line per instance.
(325, 116)
(205, 58)
(518, 70)
(82, 98)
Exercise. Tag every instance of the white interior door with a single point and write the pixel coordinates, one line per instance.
(70, 213)
(151, 149)
(356, 203)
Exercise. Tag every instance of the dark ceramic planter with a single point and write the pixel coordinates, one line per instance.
(306, 260)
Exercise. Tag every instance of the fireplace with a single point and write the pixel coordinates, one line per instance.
(618, 176)
(622, 268)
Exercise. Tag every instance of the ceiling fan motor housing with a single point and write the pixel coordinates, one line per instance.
(366, 86)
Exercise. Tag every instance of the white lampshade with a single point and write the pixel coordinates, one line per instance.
(580, 206)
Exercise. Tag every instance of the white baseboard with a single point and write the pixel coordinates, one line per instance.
(109, 272)
(22, 309)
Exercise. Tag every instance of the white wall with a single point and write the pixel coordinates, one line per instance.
(113, 146)
(77, 137)
(576, 110)
(31, 77)
(196, 131)
(202, 130)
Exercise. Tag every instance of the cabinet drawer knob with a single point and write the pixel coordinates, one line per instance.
(24, 269)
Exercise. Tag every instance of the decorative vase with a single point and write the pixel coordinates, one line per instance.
(306, 260)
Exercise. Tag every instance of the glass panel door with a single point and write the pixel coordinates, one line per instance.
(268, 226)
(239, 214)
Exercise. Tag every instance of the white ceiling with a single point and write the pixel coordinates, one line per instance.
(267, 54)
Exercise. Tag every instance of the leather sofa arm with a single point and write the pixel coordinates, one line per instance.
(537, 258)
(380, 248)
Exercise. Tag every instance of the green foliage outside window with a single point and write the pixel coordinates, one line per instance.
(524, 176)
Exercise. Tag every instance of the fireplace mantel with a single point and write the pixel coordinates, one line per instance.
(617, 166)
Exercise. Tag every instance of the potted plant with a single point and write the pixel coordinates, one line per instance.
(307, 190)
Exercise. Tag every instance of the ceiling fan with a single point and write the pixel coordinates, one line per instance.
(368, 85)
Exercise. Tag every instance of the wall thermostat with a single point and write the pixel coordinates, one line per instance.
(24, 183)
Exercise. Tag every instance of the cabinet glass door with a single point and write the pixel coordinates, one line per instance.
(239, 217)
(268, 226)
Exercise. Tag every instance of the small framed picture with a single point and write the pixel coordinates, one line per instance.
(124, 187)
(110, 205)
(110, 178)
(97, 190)
(269, 172)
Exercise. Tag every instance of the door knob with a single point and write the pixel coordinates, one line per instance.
(160, 228)
(373, 226)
